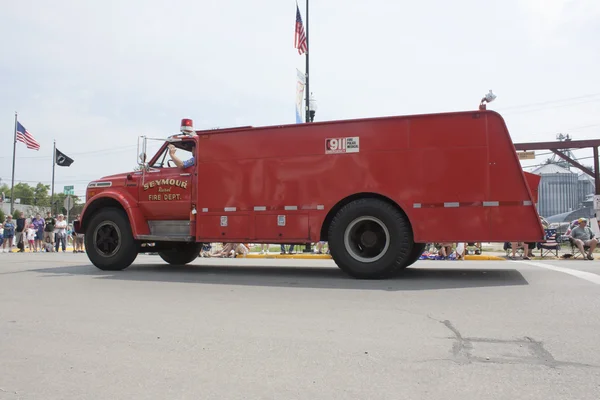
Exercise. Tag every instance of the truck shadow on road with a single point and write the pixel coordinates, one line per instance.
(301, 276)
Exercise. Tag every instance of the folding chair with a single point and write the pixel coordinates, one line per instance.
(575, 250)
(508, 250)
(551, 244)
(473, 248)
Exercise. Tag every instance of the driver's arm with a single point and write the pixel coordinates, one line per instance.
(175, 159)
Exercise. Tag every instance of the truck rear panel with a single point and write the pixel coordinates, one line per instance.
(455, 175)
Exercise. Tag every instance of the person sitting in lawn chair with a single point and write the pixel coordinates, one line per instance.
(516, 245)
(582, 237)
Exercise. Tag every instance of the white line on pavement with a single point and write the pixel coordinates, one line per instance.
(588, 276)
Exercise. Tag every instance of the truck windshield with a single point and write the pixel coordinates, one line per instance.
(185, 151)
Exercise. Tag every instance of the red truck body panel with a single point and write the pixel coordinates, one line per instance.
(456, 176)
(533, 181)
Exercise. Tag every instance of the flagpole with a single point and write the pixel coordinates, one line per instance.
(307, 246)
(12, 186)
(307, 116)
(53, 167)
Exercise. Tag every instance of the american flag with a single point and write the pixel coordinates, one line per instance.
(24, 136)
(300, 36)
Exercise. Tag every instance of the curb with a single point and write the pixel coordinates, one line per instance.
(68, 250)
(302, 256)
(473, 257)
(328, 257)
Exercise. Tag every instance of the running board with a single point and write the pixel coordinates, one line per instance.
(168, 231)
(159, 238)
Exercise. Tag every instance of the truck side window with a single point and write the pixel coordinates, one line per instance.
(160, 161)
(164, 160)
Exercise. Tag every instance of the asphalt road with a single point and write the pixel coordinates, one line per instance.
(296, 329)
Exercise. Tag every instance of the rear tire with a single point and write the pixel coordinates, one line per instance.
(109, 241)
(181, 253)
(370, 239)
(415, 253)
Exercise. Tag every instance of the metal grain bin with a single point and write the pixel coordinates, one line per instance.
(585, 186)
(558, 190)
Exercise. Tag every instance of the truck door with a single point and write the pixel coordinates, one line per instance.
(165, 193)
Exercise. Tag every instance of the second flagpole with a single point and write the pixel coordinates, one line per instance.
(53, 167)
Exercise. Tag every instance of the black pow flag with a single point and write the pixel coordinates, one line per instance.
(62, 159)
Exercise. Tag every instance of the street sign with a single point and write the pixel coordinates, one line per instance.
(526, 155)
(68, 203)
(69, 190)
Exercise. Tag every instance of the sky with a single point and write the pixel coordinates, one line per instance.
(96, 75)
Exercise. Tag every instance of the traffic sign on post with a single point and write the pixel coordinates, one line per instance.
(69, 190)
(68, 203)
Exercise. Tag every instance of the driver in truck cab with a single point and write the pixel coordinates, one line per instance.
(187, 128)
(177, 160)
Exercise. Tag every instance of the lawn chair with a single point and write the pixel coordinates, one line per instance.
(508, 250)
(551, 244)
(575, 250)
(473, 248)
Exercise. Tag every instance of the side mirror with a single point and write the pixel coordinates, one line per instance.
(141, 150)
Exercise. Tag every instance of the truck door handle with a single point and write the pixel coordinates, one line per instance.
(186, 174)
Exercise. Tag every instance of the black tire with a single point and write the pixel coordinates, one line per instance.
(415, 253)
(385, 244)
(181, 253)
(109, 241)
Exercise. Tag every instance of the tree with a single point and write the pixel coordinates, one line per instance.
(40, 195)
(2, 217)
(24, 192)
(59, 203)
(77, 209)
(5, 189)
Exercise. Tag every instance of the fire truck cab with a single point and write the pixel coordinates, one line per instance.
(376, 189)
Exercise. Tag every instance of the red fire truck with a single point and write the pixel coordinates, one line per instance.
(376, 189)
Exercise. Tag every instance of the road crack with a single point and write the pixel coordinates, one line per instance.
(527, 351)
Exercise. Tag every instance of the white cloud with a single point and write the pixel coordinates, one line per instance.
(559, 21)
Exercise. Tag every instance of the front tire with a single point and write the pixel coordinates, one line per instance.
(370, 239)
(109, 242)
(181, 253)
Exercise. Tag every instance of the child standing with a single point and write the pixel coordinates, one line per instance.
(31, 232)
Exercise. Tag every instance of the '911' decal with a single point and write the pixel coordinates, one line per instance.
(342, 145)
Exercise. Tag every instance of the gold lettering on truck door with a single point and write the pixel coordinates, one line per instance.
(164, 187)
(166, 182)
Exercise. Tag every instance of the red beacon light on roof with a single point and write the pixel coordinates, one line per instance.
(187, 126)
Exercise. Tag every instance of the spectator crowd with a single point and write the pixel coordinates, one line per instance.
(37, 234)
